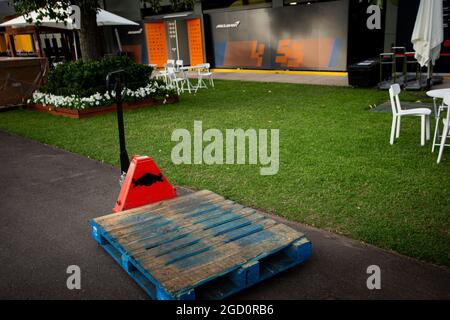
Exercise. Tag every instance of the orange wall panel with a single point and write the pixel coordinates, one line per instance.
(155, 35)
(194, 29)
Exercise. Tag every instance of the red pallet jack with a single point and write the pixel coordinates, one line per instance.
(141, 180)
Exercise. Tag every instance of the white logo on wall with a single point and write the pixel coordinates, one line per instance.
(228, 25)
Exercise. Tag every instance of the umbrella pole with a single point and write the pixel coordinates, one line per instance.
(430, 75)
(118, 39)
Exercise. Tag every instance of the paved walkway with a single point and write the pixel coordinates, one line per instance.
(49, 195)
(301, 77)
(332, 79)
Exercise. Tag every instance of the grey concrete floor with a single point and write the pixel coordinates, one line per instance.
(318, 79)
(284, 78)
(49, 195)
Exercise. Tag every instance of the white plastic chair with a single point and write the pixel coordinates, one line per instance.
(164, 74)
(178, 65)
(154, 70)
(204, 72)
(178, 82)
(398, 112)
(445, 130)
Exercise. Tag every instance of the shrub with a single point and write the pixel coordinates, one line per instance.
(84, 79)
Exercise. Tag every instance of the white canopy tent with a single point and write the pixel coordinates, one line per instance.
(21, 22)
(104, 18)
(428, 33)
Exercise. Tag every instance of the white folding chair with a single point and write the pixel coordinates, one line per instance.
(178, 82)
(398, 112)
(445, 130)
(154, 72)
(164, 74)
(204, 72)
(178, 65)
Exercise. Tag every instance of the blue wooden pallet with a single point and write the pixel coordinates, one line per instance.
(198, 246)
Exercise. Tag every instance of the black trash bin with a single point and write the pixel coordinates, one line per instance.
(364, 74)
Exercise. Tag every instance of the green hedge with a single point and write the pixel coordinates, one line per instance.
(84, 79)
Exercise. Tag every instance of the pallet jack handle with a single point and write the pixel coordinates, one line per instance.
(115, 82)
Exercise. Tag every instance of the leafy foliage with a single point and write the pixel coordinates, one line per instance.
(54, 9)
(177, 5)
(154, 5)
(87, 78)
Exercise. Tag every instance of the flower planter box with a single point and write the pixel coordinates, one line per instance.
(94, 111)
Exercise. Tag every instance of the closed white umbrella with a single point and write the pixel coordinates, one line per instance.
(428, 33)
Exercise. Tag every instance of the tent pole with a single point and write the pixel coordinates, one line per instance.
(12, 45)
(118, 39)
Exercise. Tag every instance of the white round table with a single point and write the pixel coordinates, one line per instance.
(438, 93)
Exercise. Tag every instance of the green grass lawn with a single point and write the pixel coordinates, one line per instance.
(337, 169)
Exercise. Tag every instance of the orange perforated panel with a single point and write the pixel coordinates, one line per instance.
(156, 43)
(194, 29)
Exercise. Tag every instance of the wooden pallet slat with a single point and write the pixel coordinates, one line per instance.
(147, 231)
(195, 234)
(148, 217)
(178, 202)
(152, 237)
(198, 246)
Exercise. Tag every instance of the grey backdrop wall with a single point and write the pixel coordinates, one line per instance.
(307, 37)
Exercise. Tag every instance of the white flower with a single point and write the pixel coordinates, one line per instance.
(74, 101)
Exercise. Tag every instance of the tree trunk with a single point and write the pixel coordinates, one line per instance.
(90, 43)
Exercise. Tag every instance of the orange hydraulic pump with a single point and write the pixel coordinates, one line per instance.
(144, 183)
